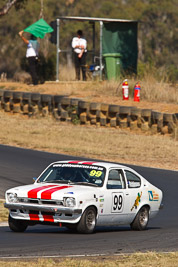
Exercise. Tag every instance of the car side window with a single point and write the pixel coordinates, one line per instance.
(116, 180)
(133, 180)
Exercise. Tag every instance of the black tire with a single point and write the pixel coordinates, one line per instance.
(17, 95)
(17, 225)
(1, 93)
(113, 122)
(26, 96)
(141, 220)
(124, 110)
(65, 101)
(104, 107)
(74, 101)
(58, 98)
(103, 121)
(35, 97)
(135, 112)
(83, 117)
(175, 118)
(95, 106)
(156, 116)
(64, 115)
(168, 117)
(114, 108)
(171, 127)
(83, 105)
(146, 112)
(87, 222)
(7, 94)
(46, 98)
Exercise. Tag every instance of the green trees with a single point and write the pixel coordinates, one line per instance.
(157, 36)
(7, 5)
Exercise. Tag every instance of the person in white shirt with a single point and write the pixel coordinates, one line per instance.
(32, 56)
(79, 44)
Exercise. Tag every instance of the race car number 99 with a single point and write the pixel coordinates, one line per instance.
(117, 202)
(95, 173)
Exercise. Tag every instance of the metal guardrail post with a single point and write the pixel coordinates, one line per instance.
(101, 52)
(57, 51)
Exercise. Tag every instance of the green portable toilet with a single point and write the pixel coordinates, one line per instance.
(119, 44)
(112, 65)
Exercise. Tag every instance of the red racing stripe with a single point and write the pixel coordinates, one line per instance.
(81, 162)
(48, 218)
(33, 193)
(89, 163)
(47, 193)
(34, 217)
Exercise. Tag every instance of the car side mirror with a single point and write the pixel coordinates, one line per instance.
(34, 179)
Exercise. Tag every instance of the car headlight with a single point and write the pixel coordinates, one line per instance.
(12, 197)
(69, 202)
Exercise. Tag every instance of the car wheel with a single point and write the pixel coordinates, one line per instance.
(87, 223)
(141, 220)
(17, 225)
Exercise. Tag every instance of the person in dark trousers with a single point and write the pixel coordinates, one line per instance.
(32, 55)
(79, 44)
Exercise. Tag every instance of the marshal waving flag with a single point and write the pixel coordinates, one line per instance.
(39, 28)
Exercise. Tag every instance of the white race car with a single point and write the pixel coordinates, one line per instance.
(82, 194)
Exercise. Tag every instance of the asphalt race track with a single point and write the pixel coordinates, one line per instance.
(19, 166)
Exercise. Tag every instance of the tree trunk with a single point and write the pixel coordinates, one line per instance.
(5, 9)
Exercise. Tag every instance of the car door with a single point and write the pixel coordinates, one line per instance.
(135, 191)
(117, 199)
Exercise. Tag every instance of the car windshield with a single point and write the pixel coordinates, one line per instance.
(81, 174)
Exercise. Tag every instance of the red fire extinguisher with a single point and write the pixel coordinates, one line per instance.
(137, 92)
(125, 90)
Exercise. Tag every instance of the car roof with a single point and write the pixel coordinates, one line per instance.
(93, 163)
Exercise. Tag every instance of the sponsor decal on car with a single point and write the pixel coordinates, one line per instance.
(101, 200)
(68, 165)
(137, 201)
(153, 196)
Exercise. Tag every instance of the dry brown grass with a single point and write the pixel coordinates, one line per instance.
(3, 212)
(89, 141)
(151, 89)
(137, 259)
(157, 96)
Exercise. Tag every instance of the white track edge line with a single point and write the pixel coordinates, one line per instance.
(83, 255)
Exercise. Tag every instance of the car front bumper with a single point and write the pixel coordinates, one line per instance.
(44, 208)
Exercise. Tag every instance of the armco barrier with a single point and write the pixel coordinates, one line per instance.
(75, 110)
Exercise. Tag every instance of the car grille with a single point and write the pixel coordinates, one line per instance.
(41, 201)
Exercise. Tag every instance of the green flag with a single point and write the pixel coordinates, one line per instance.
(39, 28)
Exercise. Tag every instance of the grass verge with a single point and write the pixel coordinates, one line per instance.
(3, 212)
(100, 143)
(137, 259)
